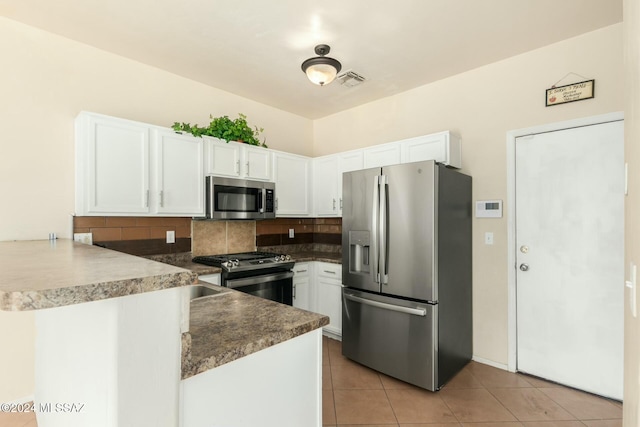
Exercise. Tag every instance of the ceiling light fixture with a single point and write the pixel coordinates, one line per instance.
(321, 70)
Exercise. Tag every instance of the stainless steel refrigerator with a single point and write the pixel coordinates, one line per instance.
(406, 271)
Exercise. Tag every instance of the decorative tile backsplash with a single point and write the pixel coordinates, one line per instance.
(136, 235)
(147, 235)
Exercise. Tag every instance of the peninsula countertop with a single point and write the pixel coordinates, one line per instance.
(231, 325)
(39, 274)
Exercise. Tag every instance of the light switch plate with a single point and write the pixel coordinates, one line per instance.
(291, 233)
(488, 238)
(171, 236)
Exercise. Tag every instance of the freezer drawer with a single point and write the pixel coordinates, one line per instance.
(392, 336)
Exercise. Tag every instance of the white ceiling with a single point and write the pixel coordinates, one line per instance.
(254, 48)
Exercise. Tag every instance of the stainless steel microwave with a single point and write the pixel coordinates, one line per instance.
(232, 198)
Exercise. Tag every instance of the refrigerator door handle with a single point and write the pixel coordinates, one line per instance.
(408, 310)
(375, 229)
(384, 277)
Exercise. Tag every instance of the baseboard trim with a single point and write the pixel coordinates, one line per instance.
(502, 366)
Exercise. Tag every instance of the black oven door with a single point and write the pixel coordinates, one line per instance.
(276, 286)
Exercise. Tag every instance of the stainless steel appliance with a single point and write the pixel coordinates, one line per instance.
(263, 274)
(406, 268)
(232, 198)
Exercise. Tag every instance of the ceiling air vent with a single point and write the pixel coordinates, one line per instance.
(350, 78)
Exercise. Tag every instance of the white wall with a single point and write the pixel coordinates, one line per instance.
(482, 105)
(45, 81)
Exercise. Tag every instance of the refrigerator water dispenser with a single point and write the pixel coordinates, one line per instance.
(359, 251)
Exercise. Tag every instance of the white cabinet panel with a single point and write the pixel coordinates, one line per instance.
(112, 166)
(443, 147)
(223, 158)
(348, 161)
(325, 185)
(179, 174)
(382, 155)
(292, 178)
(329, 294)
(257, 162)
(302, 286)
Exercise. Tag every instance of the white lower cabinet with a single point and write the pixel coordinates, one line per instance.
(302, 293)
(329, 294)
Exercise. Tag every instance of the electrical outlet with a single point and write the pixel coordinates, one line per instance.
(291, 233)
(171, 236)
(86, 238)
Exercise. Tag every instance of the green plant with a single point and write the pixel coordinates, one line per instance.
(225, 128)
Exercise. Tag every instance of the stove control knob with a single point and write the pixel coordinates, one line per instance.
(235, 262)
(226, 264)
(288, 257)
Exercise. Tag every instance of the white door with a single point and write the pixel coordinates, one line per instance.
(570, 259)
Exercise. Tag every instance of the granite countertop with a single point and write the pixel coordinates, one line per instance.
(331, 257)
(231, 325)
(183, 260)
(41, 274)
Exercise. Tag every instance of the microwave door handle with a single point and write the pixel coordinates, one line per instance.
(384, 237)
(375, 227)
(261, 201)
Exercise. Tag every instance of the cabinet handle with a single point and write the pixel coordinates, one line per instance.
(248, 174)
(146, 199)
(329, 272)
(161, 199)
(340, 203)
(334, 204)
(238, 167)
(276, 203)
(301, 271)
(294, 291)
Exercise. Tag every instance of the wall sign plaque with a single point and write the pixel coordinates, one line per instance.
(570, 93)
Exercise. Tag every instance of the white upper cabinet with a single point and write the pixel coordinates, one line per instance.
(237, 160)
(325, 185)
(135, 169)
(223, 158)
(292, 175)
(382, 155)
(327, 180)
(179, 171)
(112, 166)
(257, 163)
(443, 147)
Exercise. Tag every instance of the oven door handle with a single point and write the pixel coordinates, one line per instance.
(254, 280)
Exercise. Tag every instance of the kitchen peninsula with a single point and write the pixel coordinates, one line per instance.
(114, 337)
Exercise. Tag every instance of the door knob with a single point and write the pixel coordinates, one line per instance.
(524, 267)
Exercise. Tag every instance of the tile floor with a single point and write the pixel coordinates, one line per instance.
(479, 396)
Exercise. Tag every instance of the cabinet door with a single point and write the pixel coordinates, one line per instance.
(223, 158)
(329, 290)
(382, 155)
(179, 169)
(114, 156)
(257, 163)
(302, 288)
(441, 147)
(349, 161)
(292, 184)
(325, 185)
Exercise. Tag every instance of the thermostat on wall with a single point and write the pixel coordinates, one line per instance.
(489, 209)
